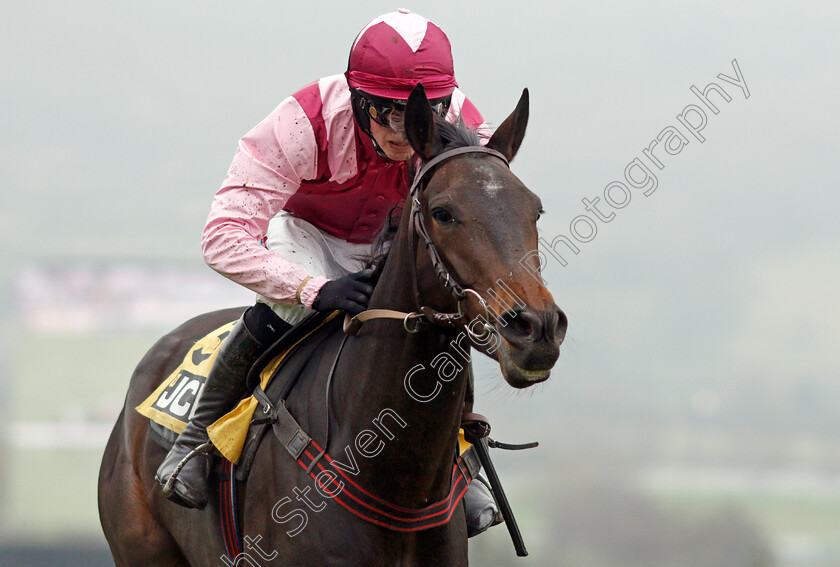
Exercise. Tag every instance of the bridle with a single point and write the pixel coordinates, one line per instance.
(418, 226)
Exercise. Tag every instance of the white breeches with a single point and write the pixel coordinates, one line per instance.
(321, 254)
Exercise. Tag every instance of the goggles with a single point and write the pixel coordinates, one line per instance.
(390, 113)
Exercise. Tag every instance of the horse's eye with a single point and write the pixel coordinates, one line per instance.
(540, 213)
(442, 216)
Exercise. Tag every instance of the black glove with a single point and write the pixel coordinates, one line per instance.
(350, 293)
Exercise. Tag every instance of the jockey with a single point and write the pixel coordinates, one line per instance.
(309, 189)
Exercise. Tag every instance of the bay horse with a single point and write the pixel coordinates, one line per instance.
(468, 220)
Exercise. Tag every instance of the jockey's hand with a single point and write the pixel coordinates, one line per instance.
(350, 293)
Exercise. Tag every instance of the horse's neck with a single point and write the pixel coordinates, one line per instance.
(416, 463)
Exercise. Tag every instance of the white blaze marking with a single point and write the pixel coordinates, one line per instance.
(492, 188)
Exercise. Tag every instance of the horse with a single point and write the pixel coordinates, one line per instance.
(462, 256)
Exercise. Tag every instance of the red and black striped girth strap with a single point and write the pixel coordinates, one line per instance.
(340, 487)
(336, 484)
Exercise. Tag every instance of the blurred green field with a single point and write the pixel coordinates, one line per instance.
(60, 377)
(816, 516)
(803, 530)
(50, 493)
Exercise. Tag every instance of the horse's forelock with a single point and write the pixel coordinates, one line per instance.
(457, 135)
(453, 135)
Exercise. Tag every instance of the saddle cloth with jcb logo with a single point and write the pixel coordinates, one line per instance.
(172, 403)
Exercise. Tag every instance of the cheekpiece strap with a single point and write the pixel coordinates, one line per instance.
(420, 226)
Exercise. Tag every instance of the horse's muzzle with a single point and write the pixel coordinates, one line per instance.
(531, 342)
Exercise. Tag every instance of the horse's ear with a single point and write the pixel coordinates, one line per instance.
(508, 137)
(420, 127)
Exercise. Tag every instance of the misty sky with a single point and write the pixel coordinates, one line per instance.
(119, 121)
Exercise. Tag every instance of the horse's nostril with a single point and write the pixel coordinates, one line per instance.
(562, 325)
(527, 329)
(521, 326)
(509, 316)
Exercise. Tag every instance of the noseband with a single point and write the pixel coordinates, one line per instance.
(418, 226)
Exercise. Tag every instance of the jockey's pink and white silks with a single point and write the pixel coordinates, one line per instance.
(308, 157)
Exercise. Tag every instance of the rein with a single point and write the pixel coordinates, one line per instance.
(418, 226)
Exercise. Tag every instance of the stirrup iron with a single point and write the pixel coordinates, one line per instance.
(205, 448)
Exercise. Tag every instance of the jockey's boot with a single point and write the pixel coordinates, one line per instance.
(481, 509)
(225, 385)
